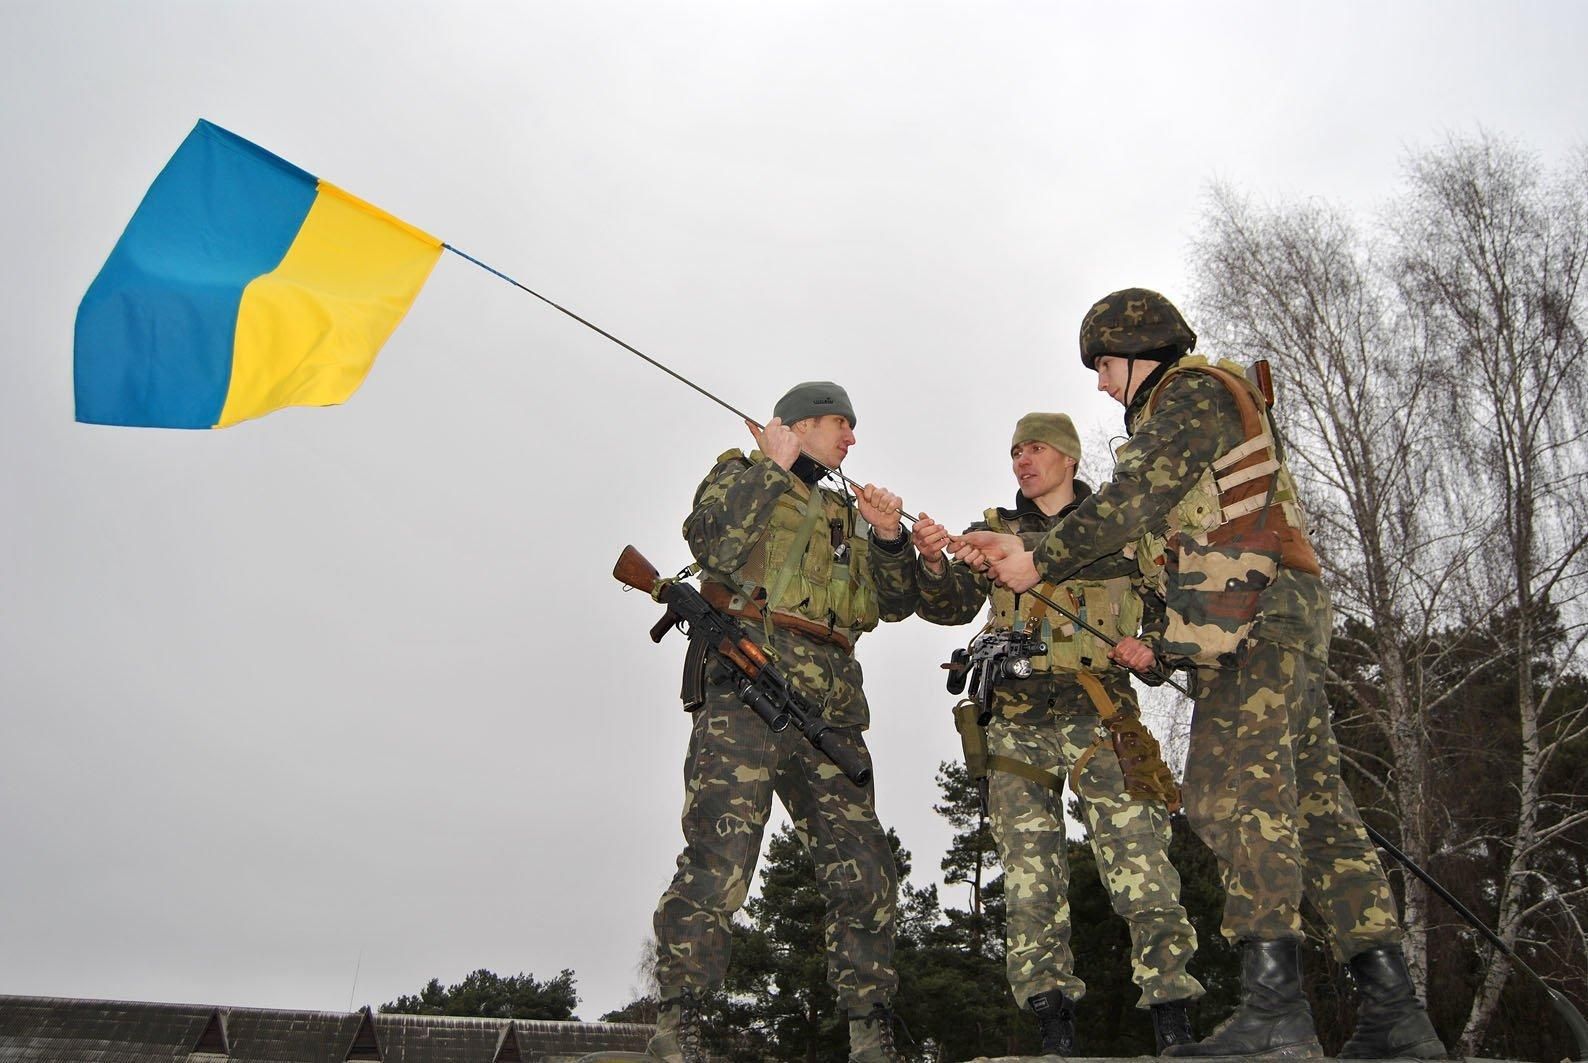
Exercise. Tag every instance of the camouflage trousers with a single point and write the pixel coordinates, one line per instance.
(1130, 838)
(1263, 790)
(734, 766)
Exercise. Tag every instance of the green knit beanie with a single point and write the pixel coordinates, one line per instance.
(1054, 429)
(814, 398)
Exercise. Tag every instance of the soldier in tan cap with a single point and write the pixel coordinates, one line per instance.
(1072, 717)
(1202, 496)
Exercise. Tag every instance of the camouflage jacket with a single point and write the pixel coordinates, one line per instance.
(957, 594)
(732, 508)
(1195, 422)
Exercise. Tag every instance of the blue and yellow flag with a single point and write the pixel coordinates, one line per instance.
(242, 285)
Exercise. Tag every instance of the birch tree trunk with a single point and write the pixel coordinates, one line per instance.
(1493, 261)
(1296, 285)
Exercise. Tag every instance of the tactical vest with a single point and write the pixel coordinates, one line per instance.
(813, 561)
(1111, 605)
(1233, 492)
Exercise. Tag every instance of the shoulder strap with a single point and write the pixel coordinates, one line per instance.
(1254, 425)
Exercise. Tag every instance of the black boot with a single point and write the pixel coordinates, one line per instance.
(1056, 1018)
(1390, 1020)
(1273, 1020)
(1171, 1024)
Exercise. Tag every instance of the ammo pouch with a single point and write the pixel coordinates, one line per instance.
(1211, 593)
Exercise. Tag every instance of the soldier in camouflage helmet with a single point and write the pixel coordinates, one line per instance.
(811, 569)
(1069, 718)
(1203, 501)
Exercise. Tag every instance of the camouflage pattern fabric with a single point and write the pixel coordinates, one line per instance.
(1050, 722)
(1262, 781)
(733, 506)
(1132, 321)
(735, 765)
(1195, 422)
(1263, 790)
(1129, 836)
(1213, 592)
(957, 595)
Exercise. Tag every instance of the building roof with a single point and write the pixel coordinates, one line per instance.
(64, 1030)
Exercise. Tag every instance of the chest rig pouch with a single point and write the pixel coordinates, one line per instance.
(1110, 605)
(814, 561)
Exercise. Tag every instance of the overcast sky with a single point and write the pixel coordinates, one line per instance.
(352, 690)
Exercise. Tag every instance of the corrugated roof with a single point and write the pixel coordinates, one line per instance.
(64, 1030)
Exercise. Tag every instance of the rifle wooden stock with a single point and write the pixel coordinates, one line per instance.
(714, 633)
(632, 570)
(1261, 376)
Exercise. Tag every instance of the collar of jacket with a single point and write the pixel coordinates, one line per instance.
(1143, 393)
(808, 470)
(1024, 507)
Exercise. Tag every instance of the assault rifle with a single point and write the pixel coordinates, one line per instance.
(755, 679)
(992, 655)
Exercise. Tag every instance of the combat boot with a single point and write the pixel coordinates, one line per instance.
(1273, 1020)
(677, 1038)
(871, 1036)
(1390, 1020)
(1056, 1020)
(1171, 1024)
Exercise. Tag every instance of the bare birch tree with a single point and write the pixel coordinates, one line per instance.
(1492, 260)
(1356, 381)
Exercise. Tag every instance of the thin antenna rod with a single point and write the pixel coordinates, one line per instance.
(356, 968)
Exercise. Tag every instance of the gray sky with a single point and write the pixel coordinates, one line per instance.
(353, 688)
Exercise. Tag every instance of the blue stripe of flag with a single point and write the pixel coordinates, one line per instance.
(154, 332)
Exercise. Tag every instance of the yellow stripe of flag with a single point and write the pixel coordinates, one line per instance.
(308, 331)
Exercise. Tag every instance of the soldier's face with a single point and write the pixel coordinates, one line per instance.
(1039, 468)
(1115, 377)
(826, 438)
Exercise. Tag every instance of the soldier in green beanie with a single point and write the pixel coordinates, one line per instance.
(811, 568)
(1067, 720)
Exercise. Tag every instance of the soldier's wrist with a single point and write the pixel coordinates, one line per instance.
(893, 544)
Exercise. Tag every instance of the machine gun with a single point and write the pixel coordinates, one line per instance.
(991, 656)
(755, 679)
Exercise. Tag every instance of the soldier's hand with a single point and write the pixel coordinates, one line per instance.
(1018, 571)
(1133, 654)
(969, 556)
(1009, 562)
(930, 539)
(994, 546)
(881, 508)
(777, 441)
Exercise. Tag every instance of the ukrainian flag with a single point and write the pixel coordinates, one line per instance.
(242, 285)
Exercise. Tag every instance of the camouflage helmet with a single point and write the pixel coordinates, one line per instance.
(1133, 321)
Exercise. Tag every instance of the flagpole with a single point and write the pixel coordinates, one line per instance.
(1164, 675)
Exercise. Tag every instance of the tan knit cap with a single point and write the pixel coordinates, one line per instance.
(1054, 429)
